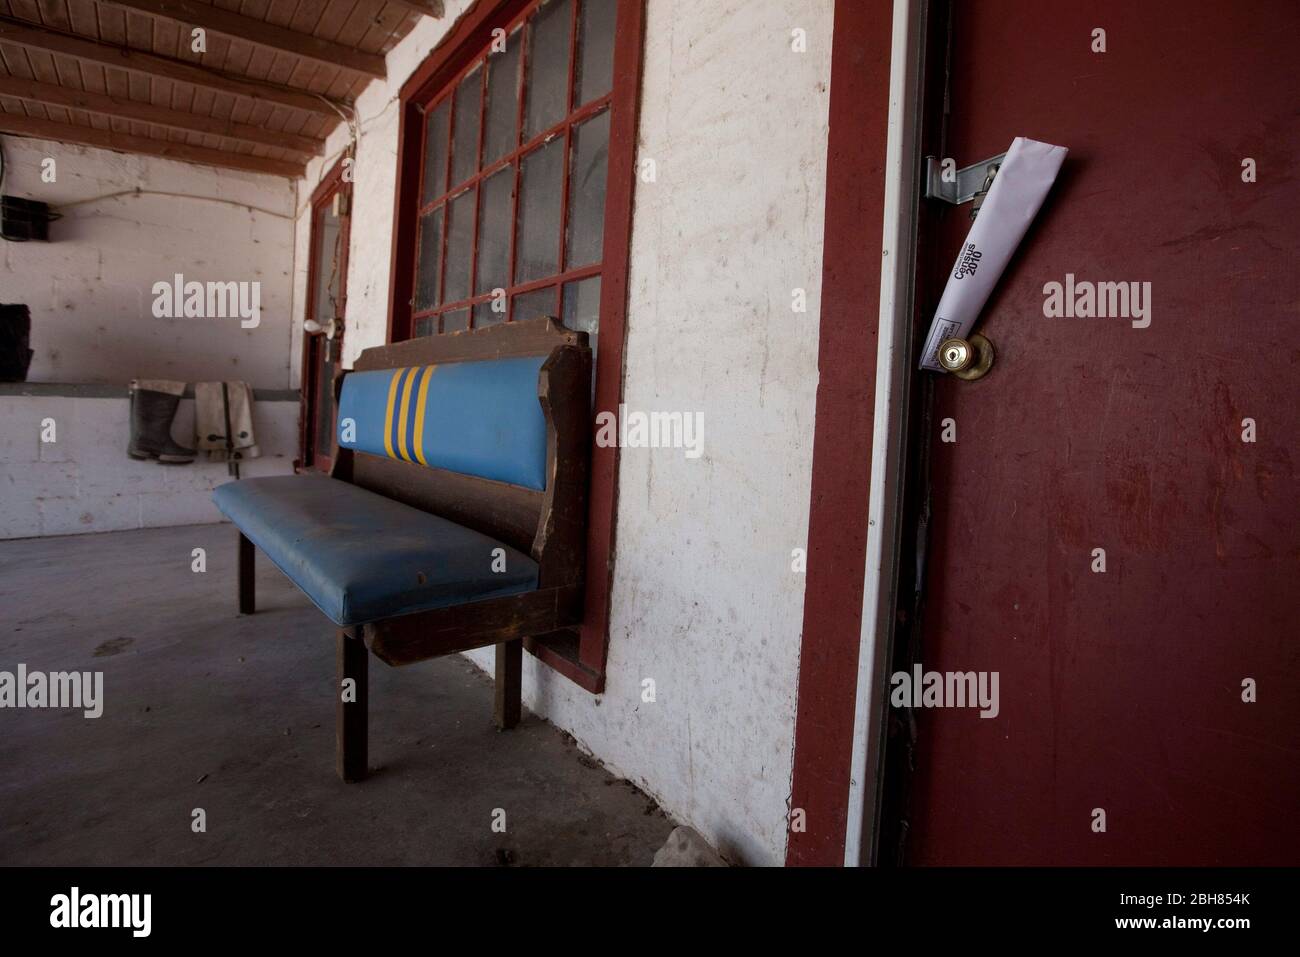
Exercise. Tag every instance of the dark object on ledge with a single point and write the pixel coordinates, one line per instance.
(22, 220)
(15, 338)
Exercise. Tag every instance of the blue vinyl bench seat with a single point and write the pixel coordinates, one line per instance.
(360, 556)
(453, 516)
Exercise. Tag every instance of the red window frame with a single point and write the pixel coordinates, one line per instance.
(581, 657)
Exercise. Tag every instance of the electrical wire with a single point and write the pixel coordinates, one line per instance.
(159, 192)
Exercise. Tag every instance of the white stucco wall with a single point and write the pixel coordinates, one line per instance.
(704, 601)
(90, 295)
(84, 481)
(89, 289)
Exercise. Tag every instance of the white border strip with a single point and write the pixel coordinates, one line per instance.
(887, 447)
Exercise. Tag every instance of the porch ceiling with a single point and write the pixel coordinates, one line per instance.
(120, 74)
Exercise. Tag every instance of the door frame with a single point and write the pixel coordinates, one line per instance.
(331, 184)
(895, 433)
(864, 433)
(843, 431)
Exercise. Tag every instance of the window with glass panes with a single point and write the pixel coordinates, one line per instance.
(513, 173)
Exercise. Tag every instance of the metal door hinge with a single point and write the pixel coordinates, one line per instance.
(963, 186)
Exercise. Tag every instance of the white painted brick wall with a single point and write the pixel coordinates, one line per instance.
(85, 482)
(89, 290)
(90, 295)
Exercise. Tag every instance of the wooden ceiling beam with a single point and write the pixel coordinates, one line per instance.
(106, 54)
(193, 13)
(428, 8)
(121, 108)
(124, 143)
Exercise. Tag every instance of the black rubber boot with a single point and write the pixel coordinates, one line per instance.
(151, 428)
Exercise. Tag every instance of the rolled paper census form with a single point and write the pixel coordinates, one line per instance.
(1019, 188)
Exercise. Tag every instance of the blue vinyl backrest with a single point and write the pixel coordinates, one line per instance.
(477, 418)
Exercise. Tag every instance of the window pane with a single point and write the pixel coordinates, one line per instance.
(426, 280)
(460, 243)
(501, 135)
(582, 306)
(435, 153)
(534, 305)
(485, 315)
(464, 143)
(595, 69)
(494, 230)
(587, 169)
(455, 321)
(327, 266)
(428, 326)
(548, 67)
(582, 312)
(537, 240)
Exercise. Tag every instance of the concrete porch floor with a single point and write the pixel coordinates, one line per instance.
(235, 715)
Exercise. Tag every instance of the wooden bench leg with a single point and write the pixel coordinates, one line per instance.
(510, 666)
(350, 727)
(247, 600)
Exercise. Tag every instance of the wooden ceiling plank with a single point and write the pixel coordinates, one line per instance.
(426, 8)
(43, 66)
(112, 25)
(125, 143)
(194, 13)
(382, 26)
(167, 40)
(54, 13)
(33, 37)
(83, 19)
(333, 18)
(305, 16)
(27, 9)
(122, 108)
(17, 61)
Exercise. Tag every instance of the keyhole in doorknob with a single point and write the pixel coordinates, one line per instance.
(967, 358)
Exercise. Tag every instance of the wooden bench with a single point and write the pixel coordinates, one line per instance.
(454, 516)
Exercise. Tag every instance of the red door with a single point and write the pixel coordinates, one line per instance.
(1121, 690)
(327, 277)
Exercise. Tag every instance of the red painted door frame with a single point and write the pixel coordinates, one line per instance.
(842, 441)
(310, 457)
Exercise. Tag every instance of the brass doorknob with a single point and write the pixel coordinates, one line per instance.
(967, 358)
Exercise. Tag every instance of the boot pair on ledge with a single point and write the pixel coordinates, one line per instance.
(153, 406)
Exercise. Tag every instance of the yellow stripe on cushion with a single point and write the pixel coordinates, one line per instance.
(420, 402)
(388, 414)
(402, 451)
